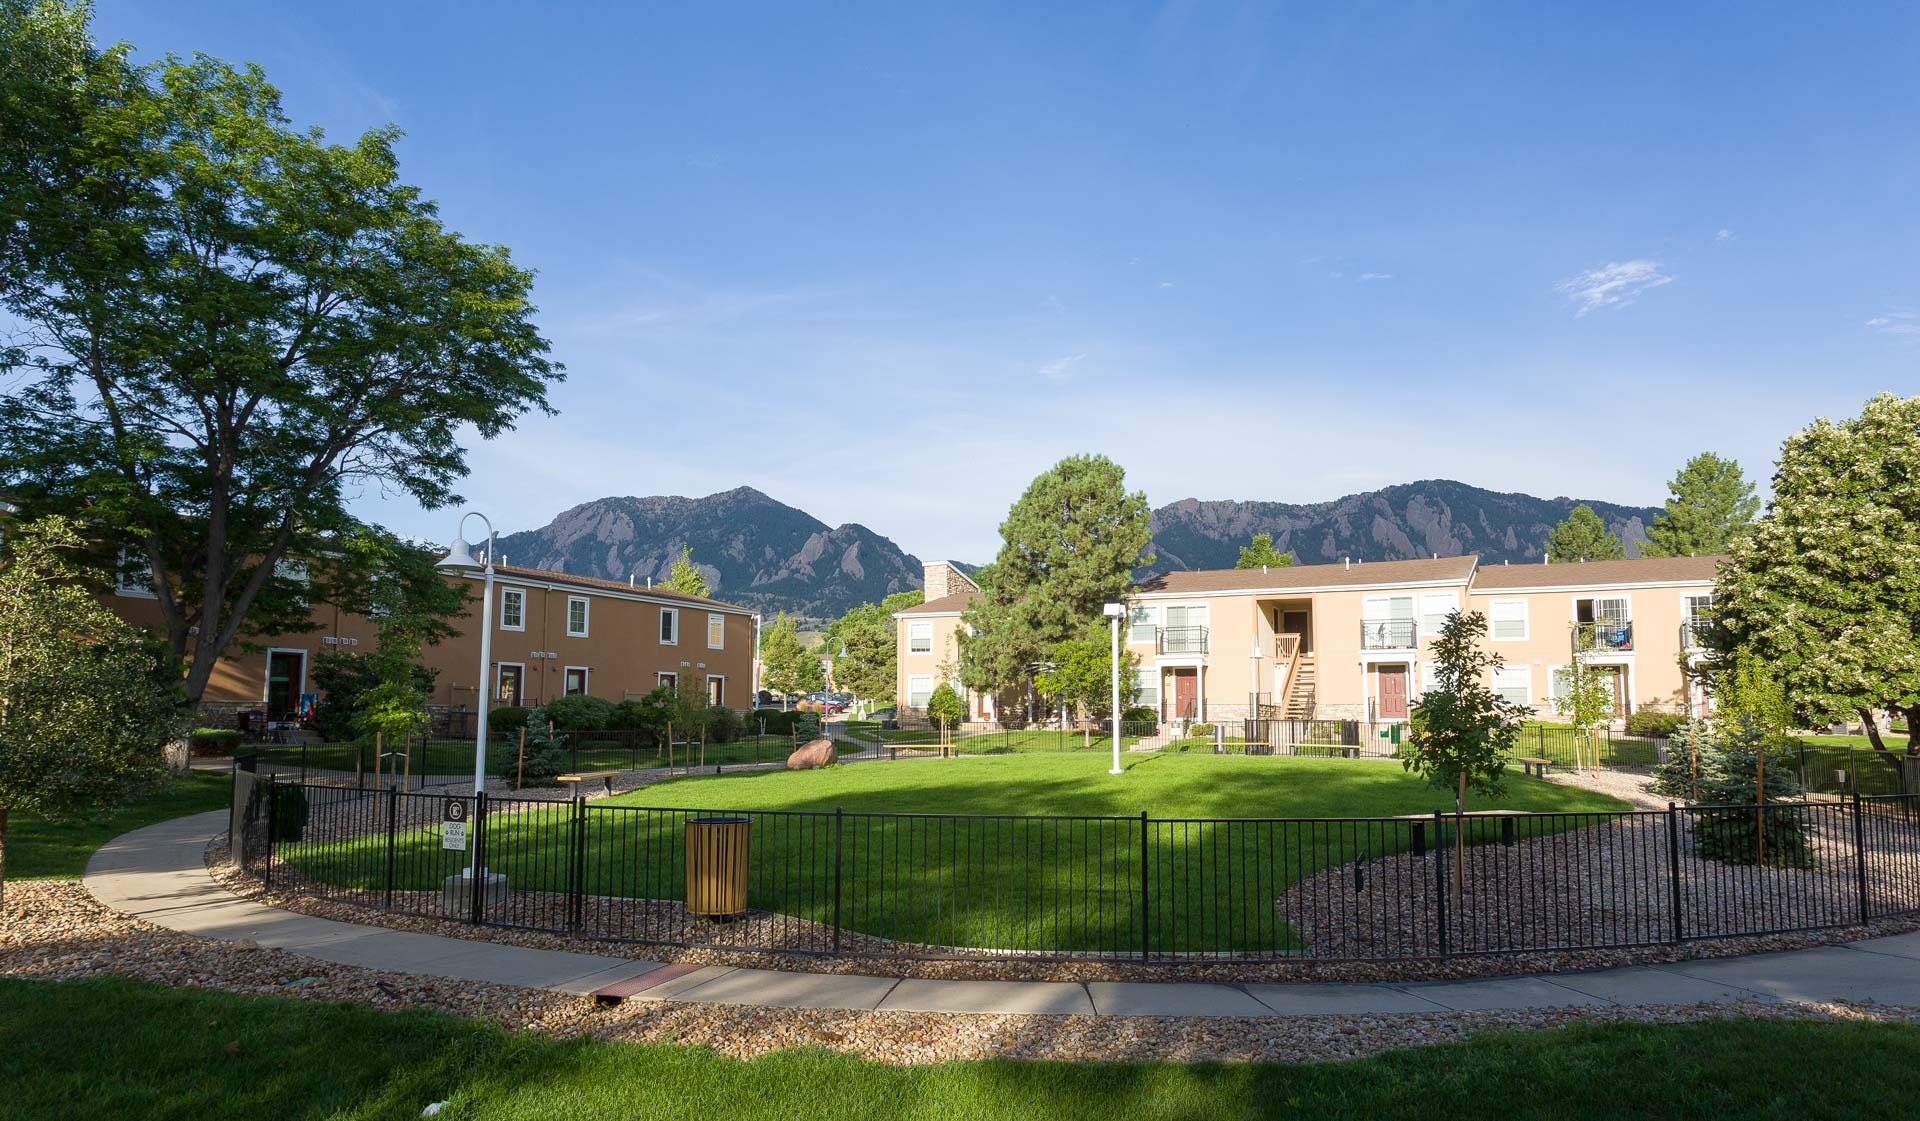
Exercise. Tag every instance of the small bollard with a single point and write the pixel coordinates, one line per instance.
(1419, 838)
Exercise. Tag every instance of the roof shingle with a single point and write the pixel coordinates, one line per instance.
(1298, 577)
(1577, 574)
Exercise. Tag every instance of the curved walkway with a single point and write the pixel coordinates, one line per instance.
(159, 874)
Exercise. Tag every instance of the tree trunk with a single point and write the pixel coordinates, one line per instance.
(1880, 747)
(3, 852)
(1913, 729)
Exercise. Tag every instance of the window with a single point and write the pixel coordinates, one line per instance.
(1434, 609)
(716, 632)
(1509, 619)
(513, 609)
(1141, 628)
(293, 571)
(1607, 610)
(576, 680)
(919, 638)
(576, 616)
(670, 680)
(919, 690)
(133, 576)
(1694, 613)
(1429, 676)
(716, 689)
(1386, 623)
(1514, 684)
(1148, 680)
(669, 626)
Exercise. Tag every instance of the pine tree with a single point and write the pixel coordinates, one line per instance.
(1711, 503)
(1583, 537)
(685, 577)
(1070, 545)
(1261, 554)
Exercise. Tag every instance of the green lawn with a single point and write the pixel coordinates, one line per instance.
(1003, 742)
(1006, 882)
(586, 751)
(38, 849)
(108, 1049)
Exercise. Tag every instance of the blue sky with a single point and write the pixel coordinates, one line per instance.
(896, 259)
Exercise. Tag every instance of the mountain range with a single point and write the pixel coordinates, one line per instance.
(764, 554)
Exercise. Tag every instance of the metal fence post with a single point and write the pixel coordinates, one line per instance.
(839, 823)
(393, 819)
(273, 806)
(1860, 854)
(577, 889)
(1440, 876)
(476, 885)
(1673, 867)
(1146, 912)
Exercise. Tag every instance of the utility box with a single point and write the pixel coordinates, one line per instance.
(717, 851)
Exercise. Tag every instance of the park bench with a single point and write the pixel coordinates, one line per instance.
(1534, 764)
(606, 777)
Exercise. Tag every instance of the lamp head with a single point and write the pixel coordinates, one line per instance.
(1114, 610)
(459, 555)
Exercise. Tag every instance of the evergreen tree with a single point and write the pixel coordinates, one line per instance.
(685, 577)
(1825, 588)
(1710, 503)
(1583, 537)
(1261, 554)
(1070, 545)
(787, 666)
(865, 647)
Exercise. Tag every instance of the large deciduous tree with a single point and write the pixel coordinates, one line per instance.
(865, 646)
(1070, 545)
(1825, 587)
(87, 703)
(787, 666)
(226, 326)
(1079, 676)
(1583, 537)
(1710, 504)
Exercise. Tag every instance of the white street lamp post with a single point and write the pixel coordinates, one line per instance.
(1114, 611)
(460, 558)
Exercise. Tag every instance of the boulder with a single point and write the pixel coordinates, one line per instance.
(816, 753)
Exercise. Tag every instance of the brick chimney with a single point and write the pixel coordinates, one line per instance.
(943, 579)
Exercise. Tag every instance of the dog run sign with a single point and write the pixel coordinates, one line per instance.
(453, 824)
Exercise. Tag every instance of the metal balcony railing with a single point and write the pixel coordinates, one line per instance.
(1388, 634)
(1693, 634)
(1604, 637)
(1183, 640)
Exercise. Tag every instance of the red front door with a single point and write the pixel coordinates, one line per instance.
(1393, 692)
(1186, 693)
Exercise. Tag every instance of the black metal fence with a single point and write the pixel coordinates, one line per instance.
(1103, 887)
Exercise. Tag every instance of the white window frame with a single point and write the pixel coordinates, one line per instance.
(586, 616)
(716, 624)
(1146, 681)
(917, 630)
(1689, 619)
(498, 669)
(131, 564)
(1143, 624)
(1424, 612)
(667, 613)
(1527, 683)
(1429, 678)
(1493, 620)
(1626, 599)
(926, 677)
(722, 679)
(297, 570)
(586, 680)
(266, 671)
(520, 595)
(667, 677)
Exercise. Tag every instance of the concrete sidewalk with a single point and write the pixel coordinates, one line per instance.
(158, 874)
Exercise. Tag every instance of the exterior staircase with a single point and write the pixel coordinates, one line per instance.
(1300, 687)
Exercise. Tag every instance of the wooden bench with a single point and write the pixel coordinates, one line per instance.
(605, 777)
(1535, 764)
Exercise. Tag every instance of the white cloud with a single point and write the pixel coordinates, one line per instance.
(1366, 276)
(1615, 284)
(1896, 323)
(1723, 235)
(1060, 368)
(1166, 284)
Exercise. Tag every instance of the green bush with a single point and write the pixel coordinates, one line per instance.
(579, 713)
(506, 718)
(546, 758)
(723, 724)
(777, 722)
(1140, 714)
(1654, 725)
(289, 812)
(213, 741)
(1199, 731)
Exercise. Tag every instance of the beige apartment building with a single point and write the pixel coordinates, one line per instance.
(927, 642)
(1352, 640)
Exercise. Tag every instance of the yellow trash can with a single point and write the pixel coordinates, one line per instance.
(717, 865)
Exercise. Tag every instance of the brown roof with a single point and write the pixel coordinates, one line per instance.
(1637, 570)
(1302, 576)
(595, 583)
(958, 601)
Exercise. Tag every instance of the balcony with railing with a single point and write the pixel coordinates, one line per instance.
(1182, 640)
(1389, 634)
(1693, 633)
(1607, 636)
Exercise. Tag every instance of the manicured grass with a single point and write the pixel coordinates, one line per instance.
(1070, 880)
(1005, 742)
(108, 1049)
(586, 751)
(38, 849)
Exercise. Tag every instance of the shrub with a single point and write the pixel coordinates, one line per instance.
(546, 758)
(1654, 725)
(213, 741)
(1199, 731)
(289, 812)
(506, 718)
(579, 713)
(806, 726)
(944, 707)
(724, 725)
(777, 721)
(1140, 714)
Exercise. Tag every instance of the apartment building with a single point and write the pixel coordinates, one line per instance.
(927, 641)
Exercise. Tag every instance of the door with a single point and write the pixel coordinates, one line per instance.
(1186, 693)
(1619, 689)
(286, 674)
(509, 687)
(1393, 692)
(1300, 623)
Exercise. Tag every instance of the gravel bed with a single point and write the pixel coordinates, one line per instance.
(56, 930)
